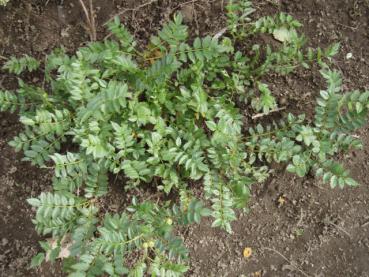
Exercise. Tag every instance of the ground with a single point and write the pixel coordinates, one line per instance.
(294, 227)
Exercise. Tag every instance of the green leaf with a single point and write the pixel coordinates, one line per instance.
(81, 266)
(19, 65)
(37, 260)
(77, 274)
(26, 121)
(291, 168)
(138, 270)
(351, 182)
(332, 50)
(282, 34)
(211, 125)
(34, 202)
(334, 181)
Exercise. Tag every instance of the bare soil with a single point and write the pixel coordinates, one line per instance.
(295, 227)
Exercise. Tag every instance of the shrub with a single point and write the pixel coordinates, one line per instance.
(169, 116)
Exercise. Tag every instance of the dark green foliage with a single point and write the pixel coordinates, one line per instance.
(19, 65)
(9, 101)
(169, 117)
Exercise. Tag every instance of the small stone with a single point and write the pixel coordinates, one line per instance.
(4, 241)
(349, 56)
(64, 33)
(283, 101)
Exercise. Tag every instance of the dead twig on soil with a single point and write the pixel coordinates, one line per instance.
(287, 260)
(195, 16)
(183, 4)
(131, 10)
(258, 115)
(348, 27)
(155, 195)
(90, 18)
(339, 228)
(220, 33)
(299, 223)
(92, 14)
(319, 187)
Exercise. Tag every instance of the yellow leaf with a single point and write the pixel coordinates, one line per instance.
(256, 274)
(247, 252)
(281, 201)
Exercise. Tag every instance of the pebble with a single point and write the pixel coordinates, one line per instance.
(283, 101)
(4, 241)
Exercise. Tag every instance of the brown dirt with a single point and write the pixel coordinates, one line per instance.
(318, 231)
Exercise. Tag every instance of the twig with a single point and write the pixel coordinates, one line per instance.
(93, 28)
(183, 4)
(287, 260)
(319, 187)
(132, 10)
(85, 11)
(220, 33)
(195, 15)
(91, 24)
(301, 218)
(158, 194)
(264, 114)
(339, 228)
(348, 27)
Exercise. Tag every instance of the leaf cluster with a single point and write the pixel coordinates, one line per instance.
(169, 116)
